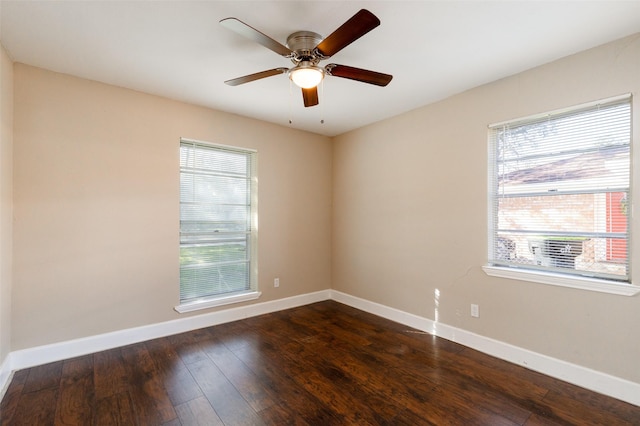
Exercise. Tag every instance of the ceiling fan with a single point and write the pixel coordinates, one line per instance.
(306, 49)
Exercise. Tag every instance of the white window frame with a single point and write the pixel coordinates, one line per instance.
(252, 239)
(540, 276)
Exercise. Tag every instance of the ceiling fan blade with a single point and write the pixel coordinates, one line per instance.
(251, 33)
(358, 74)
(256, 76)
(310, 96)
(357, 26)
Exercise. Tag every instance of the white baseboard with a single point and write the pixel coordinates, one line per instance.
(596, 381)
(615, 387)
(6, 373)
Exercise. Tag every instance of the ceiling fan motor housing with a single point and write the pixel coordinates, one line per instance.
(302, 44)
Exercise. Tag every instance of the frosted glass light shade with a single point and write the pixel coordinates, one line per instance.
(306, 77)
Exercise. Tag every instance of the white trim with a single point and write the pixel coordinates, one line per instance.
(597, 381)
(615, 387)
(6, 373)
(517, 121)
(411, 320)
(219, 301)
(583, 283)
(217, 145)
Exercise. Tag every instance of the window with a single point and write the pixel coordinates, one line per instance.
(559, 193)
(217, 225)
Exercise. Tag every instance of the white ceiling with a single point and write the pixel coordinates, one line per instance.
(177, 49)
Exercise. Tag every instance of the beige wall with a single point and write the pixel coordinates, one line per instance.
(95, 199)
(410, 217)
(6, 200)
(96, 205)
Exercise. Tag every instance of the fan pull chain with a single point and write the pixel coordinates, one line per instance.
(290, 102)
(322, 101)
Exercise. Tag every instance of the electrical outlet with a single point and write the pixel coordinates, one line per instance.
(276, 282)
(475, 310)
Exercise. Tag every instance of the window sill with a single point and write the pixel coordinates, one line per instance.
(218, 301)
(583, 283)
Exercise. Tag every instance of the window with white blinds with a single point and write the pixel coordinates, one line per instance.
(217, 221)
(559, 192)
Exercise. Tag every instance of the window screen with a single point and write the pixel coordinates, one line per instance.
(559, 191)
(217, 229)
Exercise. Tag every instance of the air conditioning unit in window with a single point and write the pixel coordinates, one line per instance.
(559, 252)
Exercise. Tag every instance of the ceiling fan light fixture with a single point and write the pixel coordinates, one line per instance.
(306, 76)
(307, 49)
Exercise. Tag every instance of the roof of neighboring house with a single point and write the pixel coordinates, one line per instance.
(600, 164)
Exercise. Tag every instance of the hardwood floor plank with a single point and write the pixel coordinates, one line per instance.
(412, 364)
(339, 391)
(187, 348)
(76, 398)
(348, 335)
(584, 401)
(43, 377)
(422, 397)
(75, 402)
(463, 386)
(36, 408)
(468, 364)
(271, 368)
(20, 376)
(116, 409)
(173, 373)
(78, 367)
(277, 415)
(150, 399)
(222, 395)
(537, 420)
(238, 374)
(349, 361)
(279, 324)
(110, 376)
(320, 364)
(411, 393)
(576, 411)
(237, 334)
(198, 412)
(242, 378)
(410, 418)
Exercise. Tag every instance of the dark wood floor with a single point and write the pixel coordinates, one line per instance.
(321, 364)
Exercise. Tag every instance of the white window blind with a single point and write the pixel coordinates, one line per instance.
(217, 225)
(559, 191)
